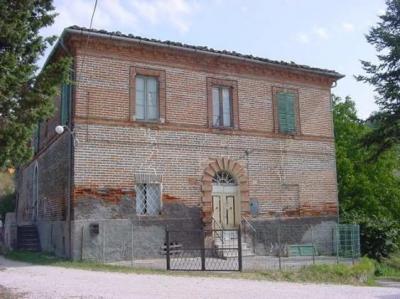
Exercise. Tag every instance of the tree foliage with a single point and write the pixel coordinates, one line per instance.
(385, 77)
(26, 96)
(369, 191)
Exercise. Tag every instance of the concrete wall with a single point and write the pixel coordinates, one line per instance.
(280, 233)
(53, 237)
(10, 231)
(127, 239)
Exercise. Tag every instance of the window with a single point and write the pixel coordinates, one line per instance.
(222, 103)
(222, 107)
(286, 107)
(146, 98)
(148, 199)
(148, 94)
(65, 103)
(224, 178)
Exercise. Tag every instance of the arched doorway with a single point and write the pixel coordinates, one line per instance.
(225, 193)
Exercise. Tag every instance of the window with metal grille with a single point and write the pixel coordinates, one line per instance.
(148, 199)
(147, 107)
(286, 112)
(222, 106)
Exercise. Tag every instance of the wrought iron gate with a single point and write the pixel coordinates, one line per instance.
(203, 250)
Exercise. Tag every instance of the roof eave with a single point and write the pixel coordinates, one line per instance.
(333, 75)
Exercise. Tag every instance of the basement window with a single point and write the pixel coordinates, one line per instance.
(148, 199)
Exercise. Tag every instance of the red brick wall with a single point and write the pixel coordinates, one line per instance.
(295, 176)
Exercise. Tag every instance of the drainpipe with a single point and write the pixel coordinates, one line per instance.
(72, 143)
(334, 84)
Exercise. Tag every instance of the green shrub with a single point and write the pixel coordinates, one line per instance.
(7, 204)
(379, 237)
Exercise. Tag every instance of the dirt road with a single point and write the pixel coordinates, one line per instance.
(28, 281)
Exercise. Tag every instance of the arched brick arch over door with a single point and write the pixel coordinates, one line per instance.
(234, 168)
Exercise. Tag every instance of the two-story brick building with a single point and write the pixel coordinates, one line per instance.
(173, 135)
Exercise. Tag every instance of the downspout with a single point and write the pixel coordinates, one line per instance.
(71, 149)
(334, 142)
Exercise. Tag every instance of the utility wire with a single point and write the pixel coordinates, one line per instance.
(87, 40)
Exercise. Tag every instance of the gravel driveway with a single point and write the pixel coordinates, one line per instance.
(53, 282)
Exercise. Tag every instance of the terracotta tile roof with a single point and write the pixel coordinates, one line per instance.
(233, 54)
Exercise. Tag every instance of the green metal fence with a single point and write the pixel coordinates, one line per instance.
(348, 240)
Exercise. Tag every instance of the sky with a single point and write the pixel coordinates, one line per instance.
(319, 33)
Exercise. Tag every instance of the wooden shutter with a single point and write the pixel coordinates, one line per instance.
(286, 112)
(65, 103)
(282, 117)
(290, 113)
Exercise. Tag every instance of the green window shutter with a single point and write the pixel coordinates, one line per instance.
(65, 103)
(286, 112)
(282, 115)
(37, 139)
(291, 113)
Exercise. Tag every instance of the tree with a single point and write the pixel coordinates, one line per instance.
(26, 95)
(385, 77)
(369, 191)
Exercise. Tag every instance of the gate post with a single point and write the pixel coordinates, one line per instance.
(202, 251)
(240, 249)
(167, 254)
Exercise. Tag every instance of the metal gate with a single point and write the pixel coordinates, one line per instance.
(203, 250)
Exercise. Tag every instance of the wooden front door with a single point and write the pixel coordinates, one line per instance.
(225, 207)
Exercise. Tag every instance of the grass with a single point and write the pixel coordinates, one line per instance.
(361, 273)
(389, 268)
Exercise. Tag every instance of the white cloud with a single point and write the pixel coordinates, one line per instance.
(303, 38)
(348, 27)
(381, 12)
(244, 8)
(109, 15)
(127, 16)
(175, 12)
(321, 32)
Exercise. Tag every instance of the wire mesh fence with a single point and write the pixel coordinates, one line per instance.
(282, 246)
(260, 248)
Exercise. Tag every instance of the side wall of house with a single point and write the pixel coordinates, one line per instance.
(49, 211)
(293, 178)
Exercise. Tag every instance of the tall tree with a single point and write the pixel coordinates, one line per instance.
(368, 188)
(26, 96)
(385, 77)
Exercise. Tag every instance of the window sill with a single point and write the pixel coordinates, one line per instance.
(288, 134)
(224, 128)
(148, 216)
(156, 121)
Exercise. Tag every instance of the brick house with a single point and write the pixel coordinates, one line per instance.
(173, 135)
